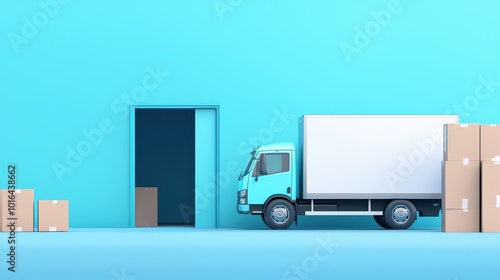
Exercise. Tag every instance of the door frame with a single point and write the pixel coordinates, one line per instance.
(132, 154)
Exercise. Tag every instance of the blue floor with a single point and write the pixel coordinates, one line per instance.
(189, 253)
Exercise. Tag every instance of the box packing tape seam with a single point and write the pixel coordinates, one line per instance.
(498, 201)
(465, 161)
(52, 228)
(465, 205)
(464, 125)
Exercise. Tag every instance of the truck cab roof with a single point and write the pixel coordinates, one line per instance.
(289, 146)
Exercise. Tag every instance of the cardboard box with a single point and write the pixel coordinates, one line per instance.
(4, 200)
(3, 209)
(460, 220)
(461, 141)
(490, 142)
(461, 185)
(25, 200)
(53, 215)
(490, 196)
(146, 206)
(23, 210)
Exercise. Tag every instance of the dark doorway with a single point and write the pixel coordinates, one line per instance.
(165, 158)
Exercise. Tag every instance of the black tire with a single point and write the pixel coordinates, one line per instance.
(400, 214)
(264, 219)
(381, 221)
(279, 214)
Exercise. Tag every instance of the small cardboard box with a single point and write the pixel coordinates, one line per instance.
(53, 215)
(460, 220)
(146, 206)
(490, 142)
(490, 196)
(461, 141)
(22, 208)
(461, 185)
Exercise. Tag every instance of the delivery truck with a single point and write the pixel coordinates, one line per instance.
(385, 166)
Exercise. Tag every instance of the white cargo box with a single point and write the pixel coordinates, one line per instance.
(371, 156)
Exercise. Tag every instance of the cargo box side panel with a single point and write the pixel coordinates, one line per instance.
(373, 156)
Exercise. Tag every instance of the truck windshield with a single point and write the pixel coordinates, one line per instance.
(249, 164)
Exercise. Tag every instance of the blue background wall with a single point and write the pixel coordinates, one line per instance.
(70, 68)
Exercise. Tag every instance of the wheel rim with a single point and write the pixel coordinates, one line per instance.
(401, 214)
(280, 214)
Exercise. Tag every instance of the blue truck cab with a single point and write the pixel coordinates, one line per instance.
(269, 176)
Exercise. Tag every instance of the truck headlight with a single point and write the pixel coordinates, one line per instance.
(242, 197)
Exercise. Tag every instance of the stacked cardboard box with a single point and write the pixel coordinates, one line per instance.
(53, 215)
(146, 206)
(490, 178)
(22, 202)
(461, 178)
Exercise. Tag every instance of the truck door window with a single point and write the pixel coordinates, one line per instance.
(272, 163)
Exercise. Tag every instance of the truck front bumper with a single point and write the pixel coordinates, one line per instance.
(243, 208)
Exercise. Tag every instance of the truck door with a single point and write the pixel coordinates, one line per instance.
(271, 176)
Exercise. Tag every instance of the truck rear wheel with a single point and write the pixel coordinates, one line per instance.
(400, 214)
(279, 214)
(381, 221)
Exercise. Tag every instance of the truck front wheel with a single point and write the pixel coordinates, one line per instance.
(400, 214)
(279, 214)
(264, 219)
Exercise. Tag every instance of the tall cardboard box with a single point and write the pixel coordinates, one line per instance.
(4, 214)
(461, 141)
(146, 206)
(490, 142)
(461, 200)
(23, 209)
(461, 185)
(490, 196)
(3, 210)
(457, 220)
(53, 215)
